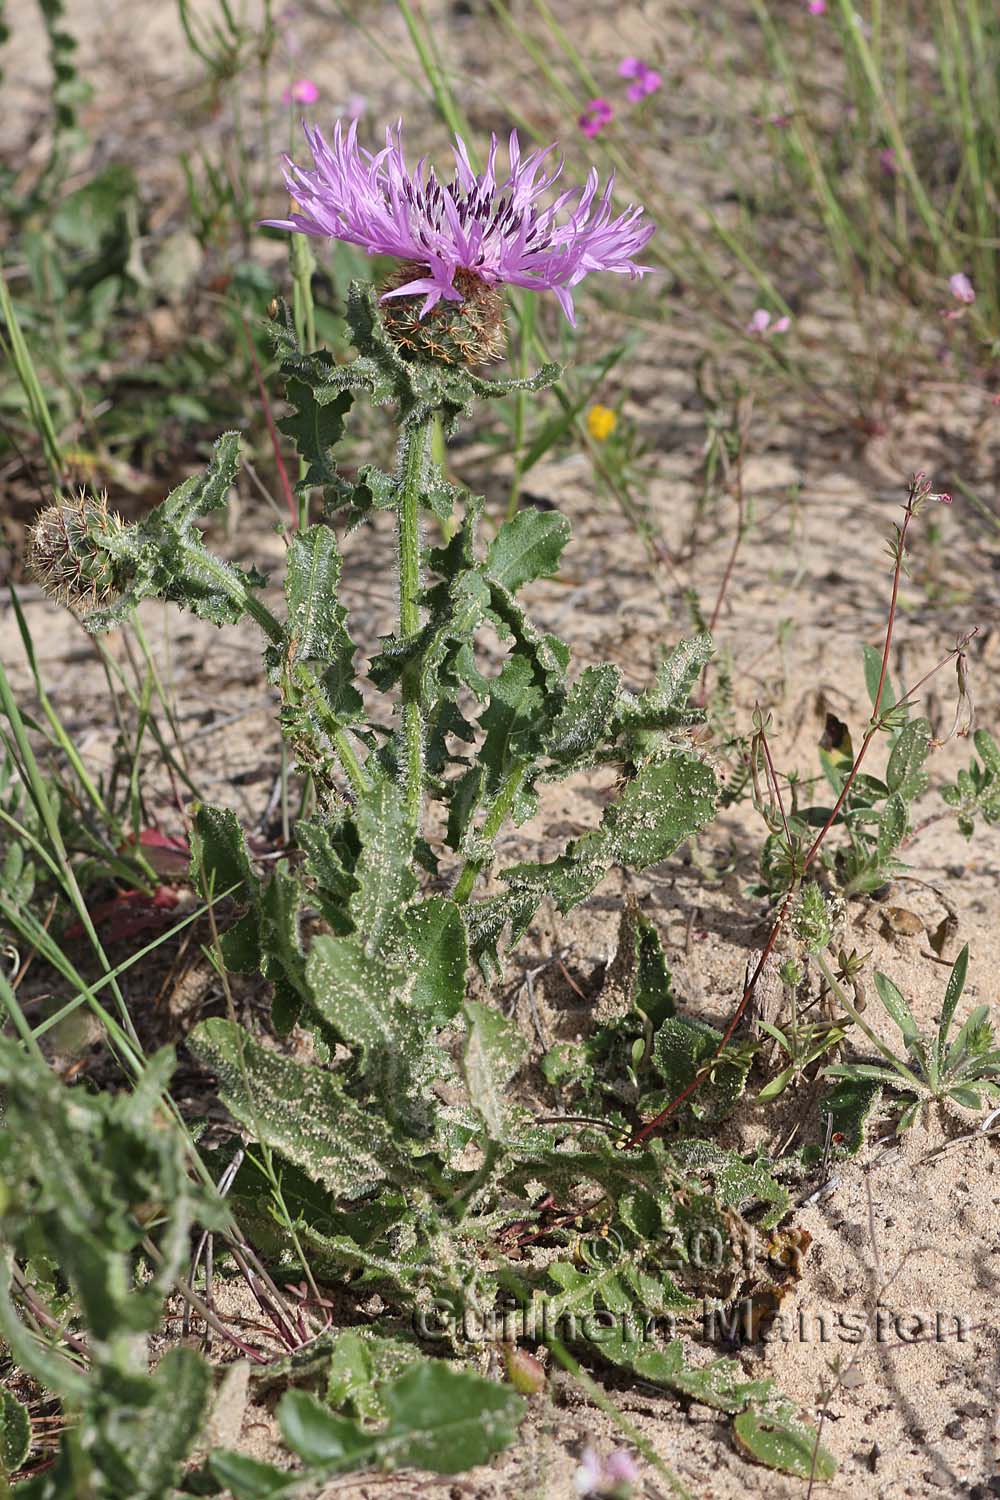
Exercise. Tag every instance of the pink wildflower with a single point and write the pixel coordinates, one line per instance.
(620, 1466)
(605, 1477)
(596, 115)
(302, 91)
(920, 490)
(887, 161)
(760, 323)
(961, 287)
(646, 80)
(499, 229)
(816, 7)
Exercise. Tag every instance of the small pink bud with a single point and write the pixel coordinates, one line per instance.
(302, 91)
(782, 325)
(760, 322)
(524, 1372)
(961, 287)
(816, 7)
(605, 1477)
(588, 1475)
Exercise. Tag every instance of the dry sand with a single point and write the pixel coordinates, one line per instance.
(911, 1229)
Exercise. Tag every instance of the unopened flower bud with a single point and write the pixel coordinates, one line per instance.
(67, 551)
(523, 1370)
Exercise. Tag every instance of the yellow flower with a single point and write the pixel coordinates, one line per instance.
(601, 423)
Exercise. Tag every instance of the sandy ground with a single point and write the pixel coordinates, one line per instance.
(906, 1244)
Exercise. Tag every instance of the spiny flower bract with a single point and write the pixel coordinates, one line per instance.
(503, 230)
(65, 554)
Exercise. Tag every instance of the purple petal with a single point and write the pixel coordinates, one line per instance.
(503, 229)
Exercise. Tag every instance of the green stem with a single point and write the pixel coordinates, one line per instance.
(527, 331)
(434, 73)
(562, 1356)
(301, 674)
(838, 989)
(414, 462)
(304, 313)
(14, 346)
(494, 822)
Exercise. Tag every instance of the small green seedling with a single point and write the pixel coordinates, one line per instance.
(964, 1072)
(802, 1044)
(976, 792)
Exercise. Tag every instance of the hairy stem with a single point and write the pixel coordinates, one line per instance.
(491, 827)
(414, 463)
(301, 675)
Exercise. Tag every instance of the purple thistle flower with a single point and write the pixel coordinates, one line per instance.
(496, 230)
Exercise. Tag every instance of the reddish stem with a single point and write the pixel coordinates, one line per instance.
(740, 517)
(641, 1135)
(272, 430)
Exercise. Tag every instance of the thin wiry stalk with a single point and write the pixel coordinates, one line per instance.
(651, 1127)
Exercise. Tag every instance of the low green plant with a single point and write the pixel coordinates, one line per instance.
(976, 792)
(932, 1069)
(802, 1042)
(99, 1202)
(873, 813)
(88, 1180)
(417, 771)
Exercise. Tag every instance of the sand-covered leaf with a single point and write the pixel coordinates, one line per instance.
(777, 1438)
(301, 1111)
(494, 1050)
(15, 1432)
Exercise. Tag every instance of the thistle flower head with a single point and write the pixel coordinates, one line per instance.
(470, 332)
(65, 552)
(511, 229)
